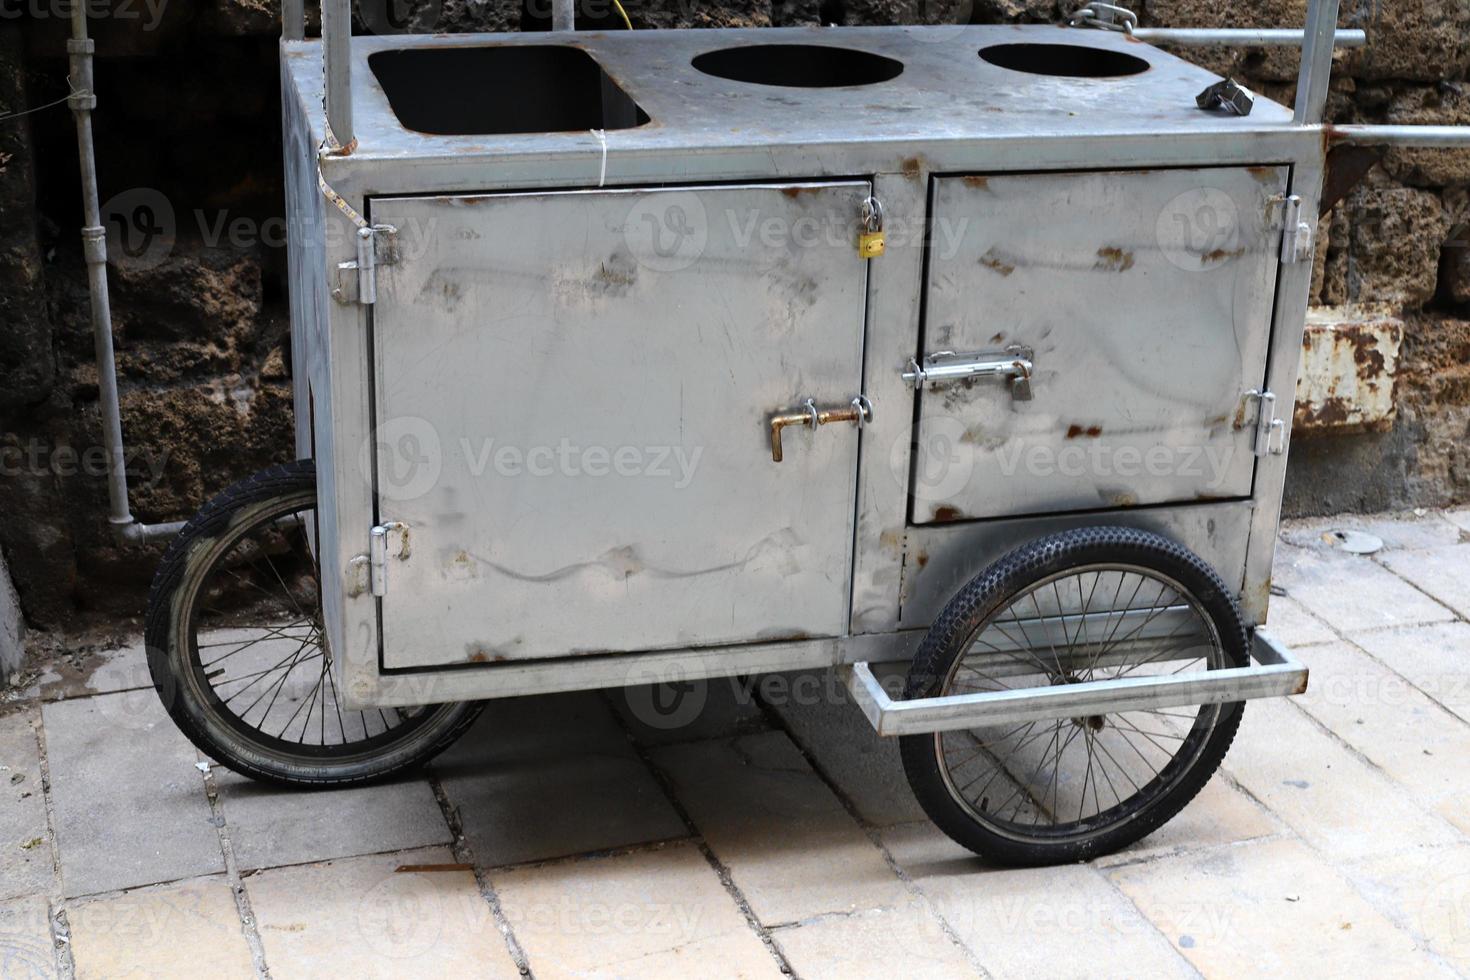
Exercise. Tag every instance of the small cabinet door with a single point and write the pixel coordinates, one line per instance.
(573, 402)
(1143, 301)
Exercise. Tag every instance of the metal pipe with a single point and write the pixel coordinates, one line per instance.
(94, 250)
(336, 55)
(83, 100)
(563, 15)
(1198, 37)
(1316, 70)
(293, 20)
(1450, 137)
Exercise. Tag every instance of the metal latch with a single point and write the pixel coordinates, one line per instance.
(357, 280)
(378, 548)
(1014, 364)
(859, 412)
(1270, 439)
(1296, 234)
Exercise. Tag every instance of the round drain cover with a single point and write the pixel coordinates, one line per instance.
(1354, 542)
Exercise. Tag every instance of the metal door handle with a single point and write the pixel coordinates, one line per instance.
(1014, 364)
(858, 411)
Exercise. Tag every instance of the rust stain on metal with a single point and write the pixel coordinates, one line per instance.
(1347, 377)
(921, 558)
(1221, 255)
(1345, 168)
(1092, 431)
(979, 183)
(994, 262)
(910, 166)
(944, 514)
(1111, 258)
(780, 634)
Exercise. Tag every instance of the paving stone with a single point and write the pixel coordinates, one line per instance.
(1313, 783)
(1460, 518)
(877, 944)
(1066, 921)
(271, 826)
(1392, 723)
(128, 803)
(184, 929)
(363, 917)
(1351, 592)
(1406, 530)
(1427, 894)
(545, 777)
(663, 714)
(104, 672)
(1220, 814)
(867, 769)
(25, 843)
(1289, 621)
(791, 848)
(1435, 658)
(1442, 572)
(26, 950)
(650, 913)
(1269, 909)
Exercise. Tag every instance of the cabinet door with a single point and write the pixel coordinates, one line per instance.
(1144, 301)
(573, 401)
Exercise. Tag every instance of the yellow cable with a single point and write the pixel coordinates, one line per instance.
(617, 5)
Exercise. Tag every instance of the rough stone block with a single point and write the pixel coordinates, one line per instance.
(1446, 104)
(1397, 234)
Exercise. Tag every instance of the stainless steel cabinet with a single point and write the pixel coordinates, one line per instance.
(572, 404)
(1142, 299)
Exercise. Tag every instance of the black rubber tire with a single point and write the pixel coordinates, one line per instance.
(990, 592)
(188, 557)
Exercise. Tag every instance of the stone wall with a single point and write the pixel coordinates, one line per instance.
(189, 160)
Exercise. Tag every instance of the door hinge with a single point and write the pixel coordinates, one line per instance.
(1270, 436)
(379, 547)
(1296, 234)
(357, 280)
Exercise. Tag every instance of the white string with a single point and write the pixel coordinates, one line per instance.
(602, 168)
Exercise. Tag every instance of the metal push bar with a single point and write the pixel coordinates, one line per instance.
(1274, 673)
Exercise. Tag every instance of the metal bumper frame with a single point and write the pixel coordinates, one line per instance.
(1274, 672)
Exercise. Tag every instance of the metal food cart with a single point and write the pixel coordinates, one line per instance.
(655, 356)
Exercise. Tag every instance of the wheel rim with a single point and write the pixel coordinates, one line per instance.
(1072, 779)
(255, 649)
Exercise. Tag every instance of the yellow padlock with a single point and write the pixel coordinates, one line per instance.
(870, 244)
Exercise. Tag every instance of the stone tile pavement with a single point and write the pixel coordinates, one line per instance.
(577, 836)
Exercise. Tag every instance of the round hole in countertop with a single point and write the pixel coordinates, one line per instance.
(798, 65)
(1067, 60)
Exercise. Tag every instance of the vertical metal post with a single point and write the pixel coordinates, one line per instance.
(293, 20)
(336, 52)
(563, 15)
(1316, 71)
(94, 250)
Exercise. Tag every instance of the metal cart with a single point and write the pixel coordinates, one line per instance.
(658, 356)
